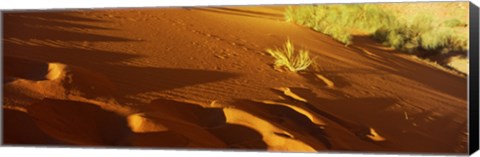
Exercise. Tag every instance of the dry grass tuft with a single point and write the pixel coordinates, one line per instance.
(287, 57)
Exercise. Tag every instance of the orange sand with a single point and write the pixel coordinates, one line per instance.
(200, 78)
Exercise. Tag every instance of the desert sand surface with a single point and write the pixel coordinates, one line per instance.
(200, 78)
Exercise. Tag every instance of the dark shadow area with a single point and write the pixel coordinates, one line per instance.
(442, 58)
(31, 27)
(69, 56)
(78, 122)
(358, 114)
(24, 68)
(433, 55)
(19, 26)
(190, 113)
(63, 15)
(452, 136)
(128, 79)
(163, 139)
(288, 119)
(193, 118)
(146, 79)
(374, 103)
(430, 76)
(346, 112)
(239, 137)
(20, 129)
(26, 21)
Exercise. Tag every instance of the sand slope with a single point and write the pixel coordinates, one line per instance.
(200, 78)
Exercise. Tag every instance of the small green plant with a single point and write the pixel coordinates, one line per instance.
(287, 57)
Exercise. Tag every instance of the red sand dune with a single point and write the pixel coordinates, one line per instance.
(200, 78)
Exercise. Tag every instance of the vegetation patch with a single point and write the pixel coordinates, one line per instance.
(422, 34)
(340, 21)
(289, 58)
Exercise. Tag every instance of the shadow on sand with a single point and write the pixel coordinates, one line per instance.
(193, 120)
(288, 119)
(130, 80)
(20, 129)
(445, 82)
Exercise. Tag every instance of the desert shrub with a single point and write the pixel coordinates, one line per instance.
(289, 58)
(421, 34)
(434, 39)
(339, 20)
(454, 23)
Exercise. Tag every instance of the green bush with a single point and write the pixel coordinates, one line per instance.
(339, 20)
(423, 32)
